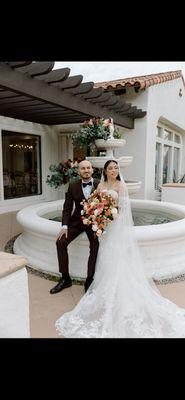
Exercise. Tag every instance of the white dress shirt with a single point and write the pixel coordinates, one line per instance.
(87, 190)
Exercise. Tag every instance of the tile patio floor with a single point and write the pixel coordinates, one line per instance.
(46, 308)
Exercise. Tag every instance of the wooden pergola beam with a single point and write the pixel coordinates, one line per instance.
(7, 94)
(25, 85)
(93, 94)
(17, 64)
(71, 82)
(130, 110)
(37, 68)
(58, 75)
(17, 100)
(81, 89)
(118, 105)
(101, 99)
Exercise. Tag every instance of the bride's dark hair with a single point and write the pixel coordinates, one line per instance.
(105, 167)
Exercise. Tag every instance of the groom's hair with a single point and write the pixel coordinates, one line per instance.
(105, 167)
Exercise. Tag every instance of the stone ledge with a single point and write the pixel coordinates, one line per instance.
(173, 185)
(55, 278)
(52, 277)
(10, 263)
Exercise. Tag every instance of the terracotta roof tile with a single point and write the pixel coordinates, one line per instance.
(141, 82)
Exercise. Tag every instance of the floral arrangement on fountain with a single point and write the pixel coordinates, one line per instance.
(63, 173)
(93, 129)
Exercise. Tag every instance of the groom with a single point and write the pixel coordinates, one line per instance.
(72, 226)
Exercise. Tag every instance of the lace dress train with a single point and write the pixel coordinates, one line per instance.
(121, 303)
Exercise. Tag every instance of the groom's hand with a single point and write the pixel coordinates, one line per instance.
(62, 232)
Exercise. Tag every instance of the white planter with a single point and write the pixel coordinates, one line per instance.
(14, 297)
(109, 143)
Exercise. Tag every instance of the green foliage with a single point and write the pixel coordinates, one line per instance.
(66, 173)
(91, 130)
(117, 134)
(62, 173)
(97, 172)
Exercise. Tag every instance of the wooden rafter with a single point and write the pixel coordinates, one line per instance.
(36, 92)
(57, 75)
(70, 82)
(37, 68)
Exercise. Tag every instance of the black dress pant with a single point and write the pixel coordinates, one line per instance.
(62, 251)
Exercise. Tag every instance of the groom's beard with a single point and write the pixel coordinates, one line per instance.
(86, 177)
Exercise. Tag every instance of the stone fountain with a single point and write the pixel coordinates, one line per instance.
(110, 145)
(161, 244)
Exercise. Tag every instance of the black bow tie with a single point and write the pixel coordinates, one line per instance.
(85, 184)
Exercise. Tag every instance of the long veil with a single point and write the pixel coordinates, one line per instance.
(125, 223)
(122, 302)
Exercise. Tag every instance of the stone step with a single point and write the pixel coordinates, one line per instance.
(10, 263)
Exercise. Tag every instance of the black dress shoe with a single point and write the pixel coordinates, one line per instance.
(64, 283)
(87, 283)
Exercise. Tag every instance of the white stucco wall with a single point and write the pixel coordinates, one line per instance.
(135, 146)
(162, 103)
(165, 105)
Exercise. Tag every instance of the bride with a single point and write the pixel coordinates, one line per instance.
(121, 301)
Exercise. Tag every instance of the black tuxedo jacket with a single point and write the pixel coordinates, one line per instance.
(75, 195)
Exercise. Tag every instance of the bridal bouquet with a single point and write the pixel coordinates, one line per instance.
(99, 210)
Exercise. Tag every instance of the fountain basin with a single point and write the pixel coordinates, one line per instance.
(110, 145)
(162, 246)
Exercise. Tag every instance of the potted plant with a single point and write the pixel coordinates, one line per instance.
(94, 130)
(174, 192)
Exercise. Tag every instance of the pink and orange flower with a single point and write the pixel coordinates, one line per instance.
(99, 210)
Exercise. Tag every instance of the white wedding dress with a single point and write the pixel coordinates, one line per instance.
(121, 302)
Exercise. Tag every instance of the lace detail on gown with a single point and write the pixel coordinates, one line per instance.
(120, 302)
(112, 192)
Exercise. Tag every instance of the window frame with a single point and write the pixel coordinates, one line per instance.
(171, 144)
(25, 199)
